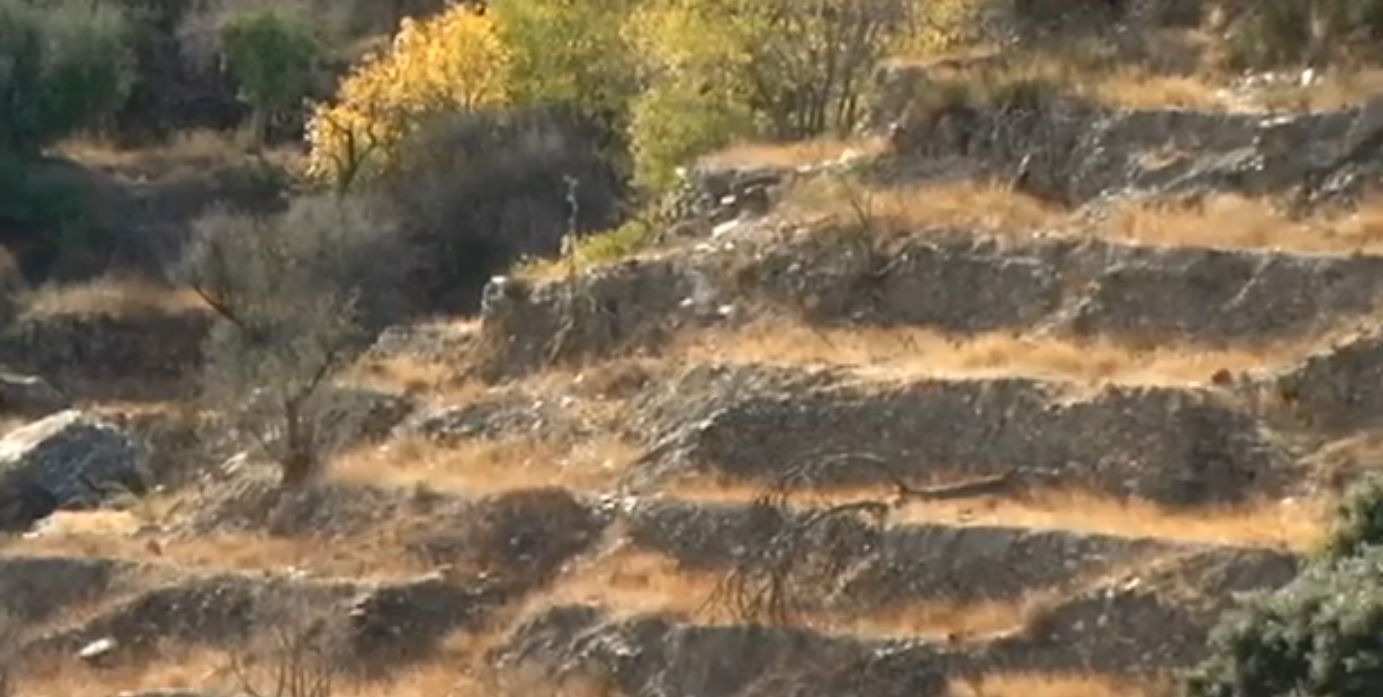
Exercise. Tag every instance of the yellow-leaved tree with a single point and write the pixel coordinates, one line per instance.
(452, 62)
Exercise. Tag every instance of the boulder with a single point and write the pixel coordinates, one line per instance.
(30, 395)
(69, 460)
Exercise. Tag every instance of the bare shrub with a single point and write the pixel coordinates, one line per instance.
(815, 549)
(805, 557)
(483, 189)
(294, 658)
(299, 297)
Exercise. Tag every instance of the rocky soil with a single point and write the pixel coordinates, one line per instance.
(562, 487)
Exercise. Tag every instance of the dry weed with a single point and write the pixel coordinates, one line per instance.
(889, 353)
(480, 467)
(1297, 525)
(111, 296)
(1232, 221)
(983, 205)
(1050, 685)
(792, 154)
(374, 555)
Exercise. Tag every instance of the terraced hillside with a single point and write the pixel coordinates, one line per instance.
(984, 415)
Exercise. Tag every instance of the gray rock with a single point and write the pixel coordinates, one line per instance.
(68, 460)
(1174, 446)
(30, 395)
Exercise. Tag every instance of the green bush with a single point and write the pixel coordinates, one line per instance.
(63, 65)
(272, 55)
(1358, 521)
(1319, 636)
(778, 69)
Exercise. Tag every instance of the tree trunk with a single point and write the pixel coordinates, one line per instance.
(298, 461)
(259, 128)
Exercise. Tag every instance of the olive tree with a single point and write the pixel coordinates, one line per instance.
(298, 296)
(271, 54)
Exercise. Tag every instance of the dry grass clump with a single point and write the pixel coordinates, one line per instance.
(1233, 221)
(915, 353)
(1050, 685)
(793, 154)
(626, 583)
(1225, 221)
(1167, 75)
(112, 296)
(484, 466)
(208, 671)
(1298, 525)
(111, 534)
(412, 375)
(940, 620)
(982, 205)
(185, 148)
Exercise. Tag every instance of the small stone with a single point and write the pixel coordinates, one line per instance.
(98, 650)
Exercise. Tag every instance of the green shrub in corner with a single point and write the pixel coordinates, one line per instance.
(63, 65)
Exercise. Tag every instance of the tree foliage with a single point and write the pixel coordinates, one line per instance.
(299, 296)
(1358, 519)
(271, 55)
(725, 69)
(63, 65)
(452, 62)
(573, 55)
(1321, 635)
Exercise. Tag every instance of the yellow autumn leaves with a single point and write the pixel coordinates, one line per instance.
(453, 62)
(671, 79)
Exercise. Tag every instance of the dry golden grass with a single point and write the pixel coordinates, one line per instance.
(887, 353)
(1297, 525)
(1225, 221)
(793, 154)
(628, 583)
(186, 148)
(488, 466)
(1089, 70)
(984, 205)
(1337, 89)
(1231, 221)
(378, 554)
(111, 296)
(450, 675)
(412, 375)
(1050, 685)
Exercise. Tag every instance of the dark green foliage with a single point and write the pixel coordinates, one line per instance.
(271, 55)
(175, 86)
(1320, 636)
(43, 215)
(1359, 519)
(63, 65)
